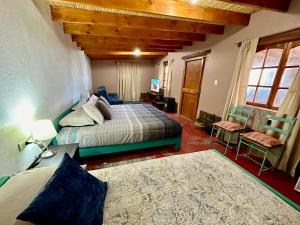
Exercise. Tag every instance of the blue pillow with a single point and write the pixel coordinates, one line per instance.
(102, 92)
(72, 196)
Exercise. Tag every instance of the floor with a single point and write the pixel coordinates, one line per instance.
(198, 140)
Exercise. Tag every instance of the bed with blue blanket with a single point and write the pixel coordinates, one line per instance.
(133, 126)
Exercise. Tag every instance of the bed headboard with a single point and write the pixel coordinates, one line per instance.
(62, 115)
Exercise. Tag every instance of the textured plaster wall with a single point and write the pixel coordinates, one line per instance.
(42, 72)
(104, 72)
(221, 62)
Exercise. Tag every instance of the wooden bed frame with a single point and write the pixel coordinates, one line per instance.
(93, 151)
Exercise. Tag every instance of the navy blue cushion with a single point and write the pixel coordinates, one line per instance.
(102, 92)
(72, 196)
(114, 100)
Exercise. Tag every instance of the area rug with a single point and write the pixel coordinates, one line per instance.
(190, 189)
(125, 162)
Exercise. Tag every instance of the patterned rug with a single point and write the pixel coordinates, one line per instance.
(125, 162)
(190, 189)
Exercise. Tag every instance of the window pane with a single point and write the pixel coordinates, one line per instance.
(254, 76)
(267, 77)
(250, 94)
(273, 57)
(281, 93)
(294, 57)
(259, 59)
(288, 77)
(262, 95)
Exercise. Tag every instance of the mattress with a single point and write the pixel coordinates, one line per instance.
(130, 123)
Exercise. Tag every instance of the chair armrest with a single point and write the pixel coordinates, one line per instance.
(113, 94)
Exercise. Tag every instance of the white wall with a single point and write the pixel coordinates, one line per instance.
(220, 63)
(41, 71)
(104, 72)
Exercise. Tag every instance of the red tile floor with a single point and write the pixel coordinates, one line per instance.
(194, 140)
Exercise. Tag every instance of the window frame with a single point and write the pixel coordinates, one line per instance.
(287, 47)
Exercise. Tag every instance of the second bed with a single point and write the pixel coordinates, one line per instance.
(133, 126)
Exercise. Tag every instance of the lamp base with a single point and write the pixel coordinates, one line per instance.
(47, 154)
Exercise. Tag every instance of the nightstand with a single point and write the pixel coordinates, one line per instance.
(54, 161)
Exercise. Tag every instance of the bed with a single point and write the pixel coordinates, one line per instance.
(190, 189)
(134, 126)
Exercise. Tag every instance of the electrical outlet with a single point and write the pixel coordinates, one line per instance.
(22, 144)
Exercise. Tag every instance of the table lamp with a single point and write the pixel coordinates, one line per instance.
(43, 130)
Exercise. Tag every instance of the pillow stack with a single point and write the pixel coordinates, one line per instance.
(105, 101)
(95, 109)
(104, 109)
(91, 109)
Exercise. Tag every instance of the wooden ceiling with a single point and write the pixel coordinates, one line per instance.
(113, 29)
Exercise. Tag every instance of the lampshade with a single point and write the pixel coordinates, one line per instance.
(43, 130)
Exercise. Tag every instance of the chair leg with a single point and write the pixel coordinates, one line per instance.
(211, 134)
(250, 150)
(238, 149)
(277, 161)
(222, 137)
(263, 163)
(228, 141)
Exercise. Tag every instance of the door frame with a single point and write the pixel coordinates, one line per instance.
(200, 83)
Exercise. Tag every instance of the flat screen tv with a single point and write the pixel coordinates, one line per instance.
(155, 85)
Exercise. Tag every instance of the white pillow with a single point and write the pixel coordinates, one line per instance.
(76, 118)
(93, 112)
(78, 106)
(19, 191)
(93, 99)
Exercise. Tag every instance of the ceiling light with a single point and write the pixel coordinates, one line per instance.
(137, 52)
(194, 2)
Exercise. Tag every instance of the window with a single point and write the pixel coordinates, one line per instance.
(273, 71)
(165, 75)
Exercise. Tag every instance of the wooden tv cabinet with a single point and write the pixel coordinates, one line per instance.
(157, 99)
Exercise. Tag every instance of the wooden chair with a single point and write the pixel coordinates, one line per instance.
(263, 142)
(240, 116)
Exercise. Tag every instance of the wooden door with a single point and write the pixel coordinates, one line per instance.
(191, 87)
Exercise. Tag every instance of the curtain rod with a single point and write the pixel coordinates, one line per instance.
(285, 36)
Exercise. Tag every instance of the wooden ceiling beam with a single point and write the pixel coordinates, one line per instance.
(114, 57)
(171, 8)
(126, 48)
(130, 46)
(100, 51)
(73, 15)
(89, 51)
(276, 5)
(124, 55)
(123, 47)
(90, 39)
(129, 53)
(98, 30)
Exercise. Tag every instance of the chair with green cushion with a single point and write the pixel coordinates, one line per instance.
(236, 121)
(263, 142)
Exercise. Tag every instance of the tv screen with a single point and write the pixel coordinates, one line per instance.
(155, 85)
